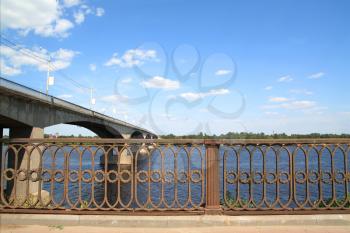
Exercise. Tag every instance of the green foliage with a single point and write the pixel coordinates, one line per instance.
(233, 203)
(84, 205)
(53, 227)
(249, 135)
(336, 203)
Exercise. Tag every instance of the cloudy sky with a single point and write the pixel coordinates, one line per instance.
(184, 67)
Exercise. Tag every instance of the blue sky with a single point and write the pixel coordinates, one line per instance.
(188, 66)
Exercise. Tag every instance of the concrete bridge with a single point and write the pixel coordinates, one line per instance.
(26, 112)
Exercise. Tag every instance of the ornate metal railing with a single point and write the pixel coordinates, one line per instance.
(187, 176)
(301, 176)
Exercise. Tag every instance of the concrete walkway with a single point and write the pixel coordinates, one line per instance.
(38, 223)
(230, 229)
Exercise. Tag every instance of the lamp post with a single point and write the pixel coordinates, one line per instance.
(50, 80)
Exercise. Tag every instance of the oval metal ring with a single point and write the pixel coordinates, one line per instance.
(121, 175)
(169, 177)
(300, 180)
(59, 179)
(284, 177)
(6, 174)
(96, 177)
(158, 176)
(193, 174)
(340, 180)
(71, 179)
(140, 174)
(86, 180)
(36, 174)
(269, 175)
(313, 177)
(22, 174)
(115, 173)
(258, 178)
(182, 177)
(231, 177)
(244, 177)
(326, 177)
(43, 174)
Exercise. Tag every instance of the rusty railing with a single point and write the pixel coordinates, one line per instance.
(113, 176)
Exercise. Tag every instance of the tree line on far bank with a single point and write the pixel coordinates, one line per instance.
(249, 135)
(231, 135)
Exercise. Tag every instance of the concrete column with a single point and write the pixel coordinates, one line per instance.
(126, 135)
(24, 185)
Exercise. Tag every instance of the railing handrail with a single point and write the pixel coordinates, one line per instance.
(182, 141)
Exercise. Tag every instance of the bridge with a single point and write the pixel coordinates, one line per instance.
(26, 112)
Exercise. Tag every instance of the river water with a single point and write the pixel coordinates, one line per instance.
(184, 163)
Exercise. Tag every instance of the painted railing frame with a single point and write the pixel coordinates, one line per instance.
(212, 159)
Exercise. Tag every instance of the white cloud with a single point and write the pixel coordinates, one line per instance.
(70, 3)
(41, 16)
(316, 75)
(92, 67)
(278, 99)
(114, 98)
(268, 88)
(160, 82)
(301, 91)
(65, 96)
(100, 12)
(222, 72)
(8, 70)
(47, 18)
(286, 78)
(344, 113)
(58, 29)
(300, 104)
(271, 113)
(292, 105)
(193, 96)
(132, 57)
(126, 80)
(79, 17)
(60, 59)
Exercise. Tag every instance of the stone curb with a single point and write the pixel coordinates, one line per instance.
(174, 221)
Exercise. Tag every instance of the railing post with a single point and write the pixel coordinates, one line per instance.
(212, 173)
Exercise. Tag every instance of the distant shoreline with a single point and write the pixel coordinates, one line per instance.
(232, 135)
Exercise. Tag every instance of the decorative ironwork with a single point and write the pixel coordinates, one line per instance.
(188, 176)
(310, 176)
(99, 176)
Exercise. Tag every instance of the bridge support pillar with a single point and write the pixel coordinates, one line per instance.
(26, 163)
(126, 135)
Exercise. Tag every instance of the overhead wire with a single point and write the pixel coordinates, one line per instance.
(28, 52)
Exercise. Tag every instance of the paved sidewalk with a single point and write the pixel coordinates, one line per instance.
(230, 229)
(43, 223)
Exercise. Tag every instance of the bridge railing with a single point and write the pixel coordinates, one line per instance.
(82, 176)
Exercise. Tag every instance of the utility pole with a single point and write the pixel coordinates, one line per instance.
(49, 79)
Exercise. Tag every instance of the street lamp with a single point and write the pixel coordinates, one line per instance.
(50, 80)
